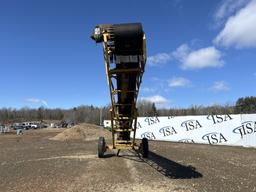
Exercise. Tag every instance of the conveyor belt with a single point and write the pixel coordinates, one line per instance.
(125, 58)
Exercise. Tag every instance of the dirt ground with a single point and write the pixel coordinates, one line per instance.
(41, 160)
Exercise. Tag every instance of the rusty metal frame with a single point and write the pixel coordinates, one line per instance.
(115, 117)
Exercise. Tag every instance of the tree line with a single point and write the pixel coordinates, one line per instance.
(96, 115)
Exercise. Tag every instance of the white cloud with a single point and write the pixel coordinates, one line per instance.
(157, 99)
(159, 59)
(179, 82)
(37, 101)
(219, 86)
(181, 52)
(198, 59)
(148, 89)
(190, 59)
(177, 4)
(227, 8)
(155, 79)
(240, 29)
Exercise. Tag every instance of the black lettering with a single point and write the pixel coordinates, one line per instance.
(138, 125)
(148, 135)
(249, 128)
(214, 139)
(228, 116)
(198, 124)
(157, 120)
(219, 118)
(151, 120)
(153, 136)
(147, 120)
(212, 118)
(166, 131)
(240, 131)
(222, 138)
(186, 126)
(208, 138)
(191, 125)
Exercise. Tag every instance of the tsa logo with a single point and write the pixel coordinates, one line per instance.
(152, 120)
(191, 124)
(214, 138)
(148, 135)
(166, 131)
(248, 127)
(219, 118)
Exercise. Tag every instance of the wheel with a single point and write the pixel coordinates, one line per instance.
(101, 147)
(144, 146)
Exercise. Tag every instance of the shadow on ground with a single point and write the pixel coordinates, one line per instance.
(166, 167)
(171, 168)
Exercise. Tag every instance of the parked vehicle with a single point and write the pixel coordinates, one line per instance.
(2, 128)
(18, 127)
(27, 125)
(34, 126)
(71, 124)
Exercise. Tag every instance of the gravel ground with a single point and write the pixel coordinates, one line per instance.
(33, 162)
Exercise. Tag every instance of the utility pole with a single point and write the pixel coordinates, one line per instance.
(100, 116)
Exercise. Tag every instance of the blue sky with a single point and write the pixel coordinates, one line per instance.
(199, 52)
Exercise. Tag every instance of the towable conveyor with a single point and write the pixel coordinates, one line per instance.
(125, 58)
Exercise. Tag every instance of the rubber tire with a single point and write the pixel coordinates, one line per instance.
(144, 148)
(101, 147)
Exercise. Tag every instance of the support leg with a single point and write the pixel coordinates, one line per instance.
(118, 152)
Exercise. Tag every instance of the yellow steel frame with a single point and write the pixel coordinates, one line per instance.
(115, 117)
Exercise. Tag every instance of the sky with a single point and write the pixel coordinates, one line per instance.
(199, 52)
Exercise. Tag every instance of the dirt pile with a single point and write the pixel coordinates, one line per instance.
(83, 131)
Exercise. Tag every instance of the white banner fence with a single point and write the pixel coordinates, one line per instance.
(228, 129)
